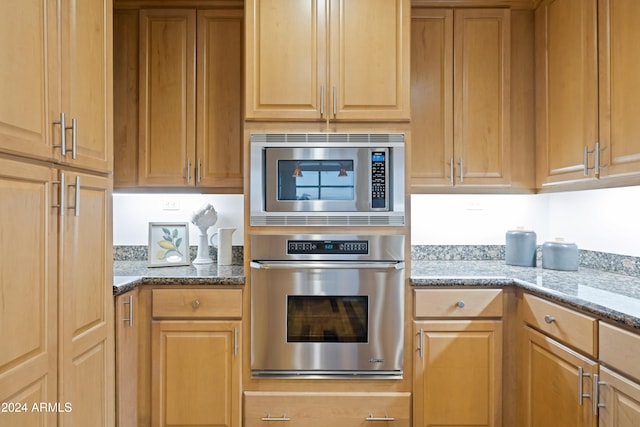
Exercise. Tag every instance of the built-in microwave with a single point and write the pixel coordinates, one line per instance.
(327, 179)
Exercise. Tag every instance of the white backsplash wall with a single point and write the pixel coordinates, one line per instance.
(132, 214)
(603, 220)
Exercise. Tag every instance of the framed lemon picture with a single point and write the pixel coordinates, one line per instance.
(168, 244)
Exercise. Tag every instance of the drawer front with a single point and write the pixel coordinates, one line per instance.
(619, 349)
(575, 329)
(458, 303)
(321, 409)
(197, 303)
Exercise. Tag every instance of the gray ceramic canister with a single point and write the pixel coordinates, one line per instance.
(559, 255)
(520, 248)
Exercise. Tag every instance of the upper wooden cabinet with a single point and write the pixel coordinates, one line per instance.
(587, 90)
(180, 123)
(57, 87)
(327, 59)
(460, 98)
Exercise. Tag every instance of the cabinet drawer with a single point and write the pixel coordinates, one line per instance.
(566, 325)
(458, 303)
(322, 409)
(197, 303)
(619, 349)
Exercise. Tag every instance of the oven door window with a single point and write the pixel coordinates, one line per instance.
(328, 319)
(315, 180)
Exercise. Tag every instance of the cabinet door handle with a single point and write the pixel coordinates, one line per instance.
(235, 342)
(549, 319)
(596, 163)
(195, 303)
(335, 101)
(596, 394)
(74, 138)
(420, 343)
(270, 418)
(76, 206)
(62, 193)
(130, 318)
(460, 304)
(188, 171)
(461, 170)
(385, 418)
(321, 101)
(451, 171)
(581, 376)
(198, 175)
(63, 132)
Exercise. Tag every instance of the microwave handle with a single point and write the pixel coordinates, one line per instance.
(301, 265)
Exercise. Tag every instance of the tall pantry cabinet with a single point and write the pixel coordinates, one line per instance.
(56, 310)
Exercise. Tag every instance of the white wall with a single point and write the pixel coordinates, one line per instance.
(133, 212)
(606, 220)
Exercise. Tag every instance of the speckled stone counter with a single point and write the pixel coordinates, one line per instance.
(609, 296)
(129, 274)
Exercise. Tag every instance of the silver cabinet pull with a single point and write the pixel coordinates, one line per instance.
(130, 318)
(581, 393)
(74, 138)
(420, 343)
(385, 418)
(198, 175)
(549, 319)
(270, 418)
(596, 163)
(335, 101)
(76, 206)
(596, 394)
(195, 303)
(63, 132)
(235, 342)
(451, 171)
(460, 304)
(461, 170)
(188, 171)
(321, 101)
(62, 193)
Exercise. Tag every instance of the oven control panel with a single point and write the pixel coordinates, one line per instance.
(327, 247)
(378, 180)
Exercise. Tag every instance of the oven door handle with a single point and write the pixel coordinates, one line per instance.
(301, 265)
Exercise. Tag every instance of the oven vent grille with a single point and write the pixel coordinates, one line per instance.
(335, 220)
(361, 138)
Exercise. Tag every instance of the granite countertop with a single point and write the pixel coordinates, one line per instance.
(606, 295)
(129, 274)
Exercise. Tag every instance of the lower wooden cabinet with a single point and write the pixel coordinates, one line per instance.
(326, 409)
(619, 404)
(126, 320)
(558, 384)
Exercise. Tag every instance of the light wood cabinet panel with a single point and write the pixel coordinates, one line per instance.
(291, 73)
(28, 77)
(126, 325)
(619, 400)
(567, 89)
(219, 101)
(86, 81)
(307, 409)
(619, 66)
(619, 348)
(86, 302)
(167, 97)
(28, 285)
(553, 383)
(461, 73)
(458, 303)
(458, 373)
(197, 366)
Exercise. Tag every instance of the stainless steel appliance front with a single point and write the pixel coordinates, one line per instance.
(327, 305)
(327, 179)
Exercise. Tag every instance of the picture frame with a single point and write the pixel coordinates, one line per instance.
(168, 244)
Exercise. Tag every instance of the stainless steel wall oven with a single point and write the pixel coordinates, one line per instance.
(327, 305)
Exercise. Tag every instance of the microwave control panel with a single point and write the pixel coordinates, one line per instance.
(378, 179)
(327, 247)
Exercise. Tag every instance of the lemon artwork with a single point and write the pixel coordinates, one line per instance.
(170, 246)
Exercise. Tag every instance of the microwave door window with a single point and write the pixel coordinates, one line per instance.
(316, 180)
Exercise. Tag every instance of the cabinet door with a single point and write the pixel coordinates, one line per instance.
(126, 324)
(28, 324)
(369, 63)
(481, 96)
(566, 80)
(619, 67)
(167, 97)
(431, 98)
(553, 384)
(458, 373)
(219, 106)
(28, 77)
(196, 367)
(86, 303)
(286, 59)
(86, 81)
(619, 400)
